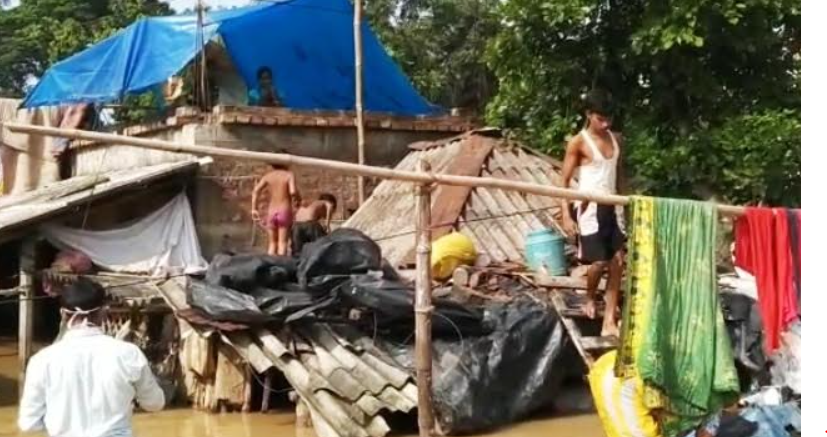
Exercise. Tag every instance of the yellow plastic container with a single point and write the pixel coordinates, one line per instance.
(450, 252)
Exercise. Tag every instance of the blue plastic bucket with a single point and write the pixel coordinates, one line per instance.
(547, 249)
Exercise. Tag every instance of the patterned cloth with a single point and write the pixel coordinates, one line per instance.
(674, 336)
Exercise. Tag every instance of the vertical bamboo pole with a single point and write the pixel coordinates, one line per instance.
(267, 391)
(360, 121)
(423, 307)
(204, 102)
(26, 324)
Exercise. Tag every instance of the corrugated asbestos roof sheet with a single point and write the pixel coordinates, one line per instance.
(344, 380)
(497, 221)
(42, 204)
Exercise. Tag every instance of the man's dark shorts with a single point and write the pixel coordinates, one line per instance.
(305, 233)
(606, 242)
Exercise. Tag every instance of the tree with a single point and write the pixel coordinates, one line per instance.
(38, 33)
(687, 75)
(440, 44)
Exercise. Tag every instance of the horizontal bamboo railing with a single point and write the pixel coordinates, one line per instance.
(343, 167)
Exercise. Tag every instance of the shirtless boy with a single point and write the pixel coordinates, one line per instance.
(313, 221)
(596, 151)
(281, 184)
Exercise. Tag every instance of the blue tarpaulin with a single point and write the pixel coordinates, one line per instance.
(307, 44)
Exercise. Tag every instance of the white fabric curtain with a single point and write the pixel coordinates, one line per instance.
(164, 242)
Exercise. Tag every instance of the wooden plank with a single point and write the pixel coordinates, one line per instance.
(579, 313)
(544, 280)
(572, 328)
(449, 201)
(598, 343)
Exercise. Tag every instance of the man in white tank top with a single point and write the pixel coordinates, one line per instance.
(596, 152)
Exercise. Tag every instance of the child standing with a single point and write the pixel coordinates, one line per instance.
(281, 184)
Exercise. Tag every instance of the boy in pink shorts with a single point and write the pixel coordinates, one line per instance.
(281, 184)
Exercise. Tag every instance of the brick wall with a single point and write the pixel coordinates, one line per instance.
(225, 192)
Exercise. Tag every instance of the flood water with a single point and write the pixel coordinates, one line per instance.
(184, 422)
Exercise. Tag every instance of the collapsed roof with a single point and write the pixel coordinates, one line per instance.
(497, 221)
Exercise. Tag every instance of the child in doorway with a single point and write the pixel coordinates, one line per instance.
(281, 184)
(309, 218)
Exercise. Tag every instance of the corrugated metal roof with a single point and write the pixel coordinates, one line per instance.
(346, 382)
(497, 221)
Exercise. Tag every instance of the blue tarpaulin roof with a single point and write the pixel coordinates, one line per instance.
(308, 45)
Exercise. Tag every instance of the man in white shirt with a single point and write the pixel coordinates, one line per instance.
(84, 384)
(596, 152)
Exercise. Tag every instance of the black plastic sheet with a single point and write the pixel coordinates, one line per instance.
(392, 302)
(743, 321)
(249, 271)
(343, 252)
(484, 382)
(224, 304)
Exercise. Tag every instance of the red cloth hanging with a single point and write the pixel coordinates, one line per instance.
(798, 258)
(762, 247)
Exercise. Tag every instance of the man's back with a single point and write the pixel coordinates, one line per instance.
(84, 385)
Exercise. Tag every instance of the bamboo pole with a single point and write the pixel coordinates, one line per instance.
(360, 113)
(201, 88)
(26, 323)
(343, 167)
(423, 308)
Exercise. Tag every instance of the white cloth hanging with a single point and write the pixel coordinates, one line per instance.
(164, 242)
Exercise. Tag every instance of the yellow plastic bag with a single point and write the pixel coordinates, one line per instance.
(619, 402)
(450, 252)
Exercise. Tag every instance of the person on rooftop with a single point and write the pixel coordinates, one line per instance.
(280, 182)
(86, 382)
(265, 94)
(313, 221)
(596, 151)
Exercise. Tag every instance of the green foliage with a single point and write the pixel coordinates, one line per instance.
(758, 158)
(440, 44)
(38, 33)
(706, 88)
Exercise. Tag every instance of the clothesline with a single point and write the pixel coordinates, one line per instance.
(343, 167)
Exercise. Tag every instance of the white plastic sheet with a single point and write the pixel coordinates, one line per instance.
(164, 242)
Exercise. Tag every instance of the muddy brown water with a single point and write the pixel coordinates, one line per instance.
(184, 422)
